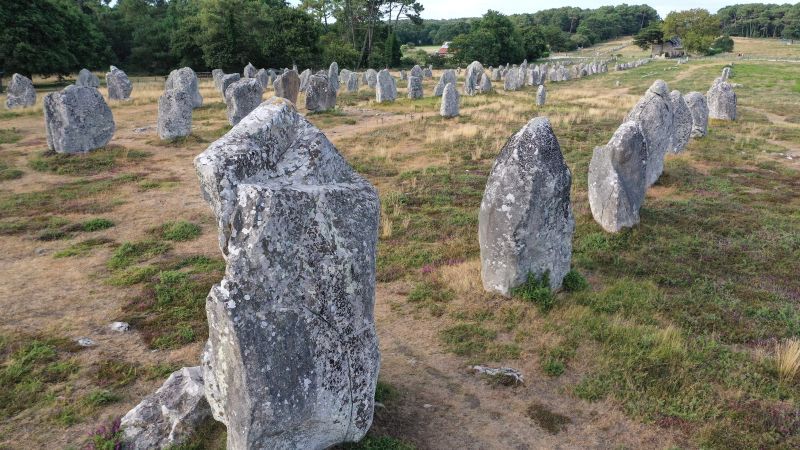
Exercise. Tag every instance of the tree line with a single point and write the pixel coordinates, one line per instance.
(154, 36)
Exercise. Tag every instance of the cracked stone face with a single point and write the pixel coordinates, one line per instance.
(449, 106)
(682, 118)
(21, 92)
(87, 79)
(320, 95)
(655, 116)
(699, 110)
(721, 100)
(448, 76)
(472, 78)
(119, 86)
(185, 80)
(292, 357)
(242, 97)
(525, 223)
(385, 88)
(77, 119)
(287, 86)
(541, 95)
(617, 178)
(174, 114)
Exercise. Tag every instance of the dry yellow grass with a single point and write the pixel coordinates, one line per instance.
(787, 357)
(464, 278)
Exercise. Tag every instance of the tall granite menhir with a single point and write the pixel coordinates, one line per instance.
(525, 224)
(77, 119)
(292, 356)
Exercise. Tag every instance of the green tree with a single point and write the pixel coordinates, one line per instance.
(391, 51)
(653, 34)
(49, 37)
(534, 44)
(697, 28)
(493, 40)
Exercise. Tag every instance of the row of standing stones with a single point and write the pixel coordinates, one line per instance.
(288, 368)
(661, 122)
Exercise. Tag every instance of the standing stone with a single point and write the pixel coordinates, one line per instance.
(472, 78)
(371, 77)
(496, 75)
(217, 75)
(118, 84)
(654, 114)
(485, 85)
(228, 80)
(385, 88)
(320, 95)
(510, 83)
(414, 87)
(292, 356)
(352, 82)
(618, 178)
(174, 114)
(21, 92)
(263, 78)
(416, 71)
(170, 416)
(288, 86)
(525, 223)
(721, 101)
(241, 98)
(699, 109)
(726, 73)
(249, 71)
(304, 76)
(403, 76)
(185, 80)
(427, 72)
(448, 76)
(541, 95)
(87, 79)
(682, 118)
(449, 107)
(333, 76)
(77, 120)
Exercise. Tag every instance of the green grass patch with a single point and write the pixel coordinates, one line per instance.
(9, 135)
(82, 248)
(81, 164)
(536, 290)
(178, 231)
(96, 224)
(130, 253)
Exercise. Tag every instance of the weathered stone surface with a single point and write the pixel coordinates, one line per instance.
(485, 85)
(119, 86)
(185, 79)
(292, 357)
(263, 78)
(654, 114)
(304, 76)
(541, 95)
(427, 72)
(77, 119)
(726, 73)
(505, 376)
(699, 110)
(721, 100)
(217, 75)
(21, 92)
(682, 119)
(618, 178)
(320, 95)
(174, 114)
(87, 79)
(241, 98)
(170, 415)
(525, 223)
(227, 80)
(333, 76)
(352, 82)
(385, 88)
(472, 78)
(510, 81)
(496, 75)
(450, 97)
(448, 76)
(249, 71)
(403, 76)
(371, 77)
(416, 71)
(414, 87)
(288, 86)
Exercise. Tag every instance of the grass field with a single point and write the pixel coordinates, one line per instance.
(676, 334)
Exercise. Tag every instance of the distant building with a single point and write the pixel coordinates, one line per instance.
(671, 48)
(444, 49)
